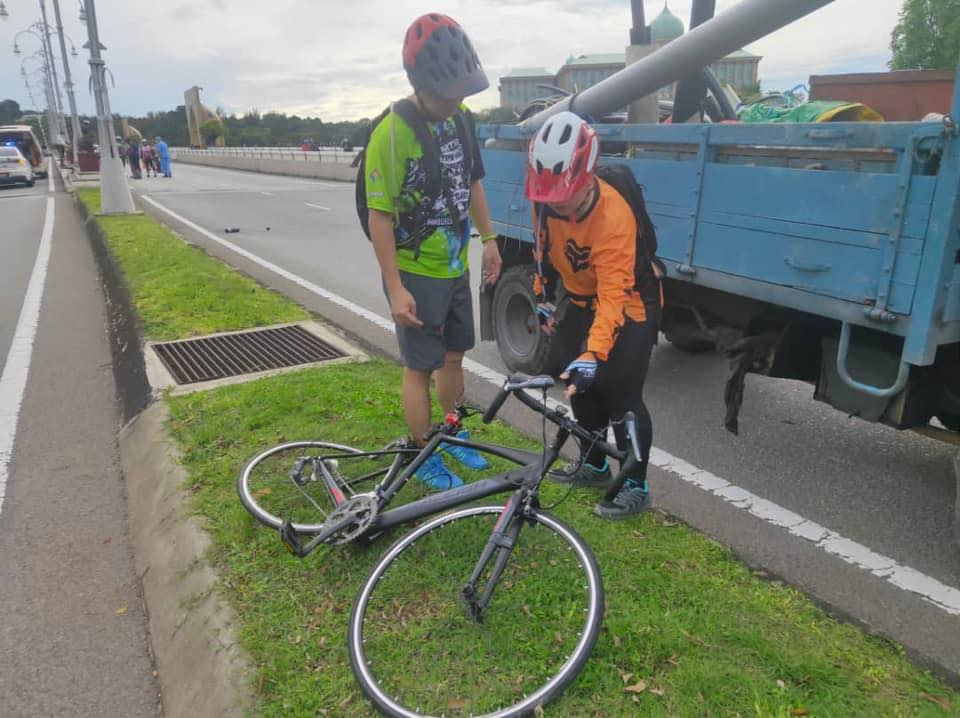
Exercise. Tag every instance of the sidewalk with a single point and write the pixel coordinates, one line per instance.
(73, 630)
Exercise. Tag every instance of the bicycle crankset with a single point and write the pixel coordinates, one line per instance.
(361, 510)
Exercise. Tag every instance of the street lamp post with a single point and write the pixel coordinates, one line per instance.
(114, 192)
(53, 124)
(61, 126)
(68, 83)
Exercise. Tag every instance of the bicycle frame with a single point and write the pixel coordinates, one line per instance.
(524, 481)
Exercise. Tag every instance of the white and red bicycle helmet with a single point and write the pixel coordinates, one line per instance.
(562, 158)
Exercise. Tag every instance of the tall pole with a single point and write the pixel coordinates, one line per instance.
(61, 127)
(68, 83)
(52, 124)
(114, 192)
(745, 22)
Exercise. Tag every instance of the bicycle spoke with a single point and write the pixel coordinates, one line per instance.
(427, 652)
(286, 484)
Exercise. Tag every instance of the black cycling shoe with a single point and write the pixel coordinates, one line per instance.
(633, 499)
(583, 474)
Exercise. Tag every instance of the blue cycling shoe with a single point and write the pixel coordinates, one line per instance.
(434, 474)
(469, 457)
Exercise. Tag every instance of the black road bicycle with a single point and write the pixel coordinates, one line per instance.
(482, 611)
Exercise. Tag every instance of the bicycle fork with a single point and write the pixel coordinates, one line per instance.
(498, 548)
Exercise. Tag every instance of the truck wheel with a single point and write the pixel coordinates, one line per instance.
(523, 347)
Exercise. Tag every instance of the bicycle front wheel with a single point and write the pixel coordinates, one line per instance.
(284, 483)
(416, 650)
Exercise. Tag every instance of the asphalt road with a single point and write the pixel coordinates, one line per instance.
(891, 492)
(73, 631)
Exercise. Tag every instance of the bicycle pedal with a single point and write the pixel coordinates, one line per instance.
(291, 539)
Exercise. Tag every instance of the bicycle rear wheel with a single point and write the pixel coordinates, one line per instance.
(415, 649)
(284, 483)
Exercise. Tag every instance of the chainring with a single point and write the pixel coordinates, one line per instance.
(362, 508)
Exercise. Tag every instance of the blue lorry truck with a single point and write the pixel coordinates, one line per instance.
(824, 252)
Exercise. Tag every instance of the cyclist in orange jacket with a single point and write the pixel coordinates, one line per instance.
(586, 241)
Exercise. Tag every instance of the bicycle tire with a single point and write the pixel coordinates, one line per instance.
(424, 614)
(260, 470)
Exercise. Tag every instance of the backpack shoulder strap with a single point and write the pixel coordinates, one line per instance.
(467, 132)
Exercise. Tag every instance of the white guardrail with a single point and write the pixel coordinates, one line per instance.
(324, 154)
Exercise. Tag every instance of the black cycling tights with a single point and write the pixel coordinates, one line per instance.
(619, 385)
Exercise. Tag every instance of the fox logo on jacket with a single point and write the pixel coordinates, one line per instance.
(579, 257)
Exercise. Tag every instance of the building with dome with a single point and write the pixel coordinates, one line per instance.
(738, 69)
(665, 27)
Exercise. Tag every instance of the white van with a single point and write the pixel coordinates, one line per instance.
(22, 137)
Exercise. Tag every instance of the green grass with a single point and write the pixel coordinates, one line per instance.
(704, 635)
(178, 290)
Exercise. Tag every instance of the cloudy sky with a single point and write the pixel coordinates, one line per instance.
(341, 60)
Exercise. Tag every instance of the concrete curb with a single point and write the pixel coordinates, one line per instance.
(126, 337)
(202, 669)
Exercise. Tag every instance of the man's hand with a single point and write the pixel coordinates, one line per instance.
(546, 315)
(492, 263)
(403, 307)
(580, 374)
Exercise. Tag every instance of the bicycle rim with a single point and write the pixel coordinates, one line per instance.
(270, 494)
(416, 651)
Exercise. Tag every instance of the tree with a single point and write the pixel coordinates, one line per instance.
(497, 115)
(211, 130)
(927, 35)
(9, 112)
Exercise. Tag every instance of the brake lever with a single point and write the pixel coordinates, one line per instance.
(631, 421)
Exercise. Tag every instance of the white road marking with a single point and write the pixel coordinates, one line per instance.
(926, 587)
(317, 206)
(13, 381)
(22, 195)
(267, 194)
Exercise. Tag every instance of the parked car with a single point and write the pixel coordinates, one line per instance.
(309, 146)
(14, 167)
(21, 137)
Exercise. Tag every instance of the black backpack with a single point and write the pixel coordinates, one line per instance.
(414, 225)
(620, 177)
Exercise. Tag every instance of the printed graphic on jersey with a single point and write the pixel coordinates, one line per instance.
(579, 257)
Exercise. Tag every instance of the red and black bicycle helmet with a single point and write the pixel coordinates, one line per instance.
(439, 58)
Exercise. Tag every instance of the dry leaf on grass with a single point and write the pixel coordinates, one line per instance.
(942, 702)
(781, 684)
(638, 687)
(616, 641)
(457, 703)
(625, 677)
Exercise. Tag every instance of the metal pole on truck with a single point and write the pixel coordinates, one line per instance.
(745, 22)
(114, 192)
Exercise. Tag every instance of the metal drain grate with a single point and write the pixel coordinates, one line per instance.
(196, 360)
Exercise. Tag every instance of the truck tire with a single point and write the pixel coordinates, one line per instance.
(523, 347)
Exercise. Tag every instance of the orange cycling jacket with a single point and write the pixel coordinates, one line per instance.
(594, 257)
